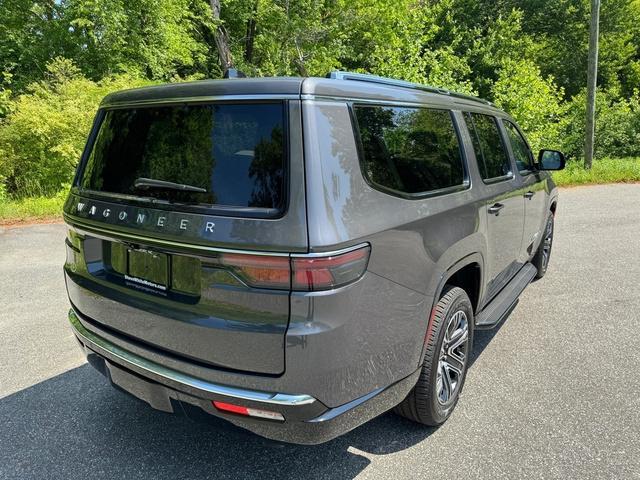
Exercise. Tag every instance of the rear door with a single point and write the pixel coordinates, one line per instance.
(532, 189)
(183, 221)
(504, 207)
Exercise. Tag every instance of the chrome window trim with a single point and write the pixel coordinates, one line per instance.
(442, 104)
(431, 100)
(174, 376)
(352, 99)
(502, 178)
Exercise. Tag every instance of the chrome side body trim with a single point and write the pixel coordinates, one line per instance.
(331, 253)
(336, 412)
(156, 369)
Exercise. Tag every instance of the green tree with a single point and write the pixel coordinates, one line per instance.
(284, 37)
(617, 125)
(534, 101)
(561, 29)
(480, 38)
(31, 33)
(154, 38)
(42, 138)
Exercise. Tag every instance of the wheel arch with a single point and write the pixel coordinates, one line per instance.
(467, 274)
(459, 272)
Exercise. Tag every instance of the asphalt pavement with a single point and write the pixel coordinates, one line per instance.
(554, 392)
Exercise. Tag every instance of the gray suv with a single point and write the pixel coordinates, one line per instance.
(300, 255)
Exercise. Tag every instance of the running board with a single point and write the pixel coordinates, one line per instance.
(503, 303)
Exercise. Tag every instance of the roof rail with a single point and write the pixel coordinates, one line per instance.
(366, 77)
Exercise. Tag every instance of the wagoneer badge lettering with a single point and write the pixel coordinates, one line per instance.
(141, 218)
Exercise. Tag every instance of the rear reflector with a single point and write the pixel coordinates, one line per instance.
(248, 412)
(299, 273)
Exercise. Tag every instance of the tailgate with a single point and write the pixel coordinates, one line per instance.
(167, 200)
(185, 305)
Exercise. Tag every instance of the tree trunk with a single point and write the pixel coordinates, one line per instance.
(251, 33)
(301, 67)
(221, 38)
(592, 77)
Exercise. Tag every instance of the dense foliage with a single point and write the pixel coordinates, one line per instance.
(59, 57)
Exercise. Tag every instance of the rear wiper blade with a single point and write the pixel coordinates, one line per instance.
(145, 183)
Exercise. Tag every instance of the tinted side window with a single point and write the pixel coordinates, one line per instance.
(521, 151)
(409, 150)
(487, 143)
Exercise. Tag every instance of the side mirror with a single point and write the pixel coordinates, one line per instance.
(550, 160)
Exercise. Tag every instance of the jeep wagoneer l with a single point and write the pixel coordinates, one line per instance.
(299, 255)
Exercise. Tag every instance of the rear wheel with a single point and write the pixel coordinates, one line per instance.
(543, 254)
(445, 363)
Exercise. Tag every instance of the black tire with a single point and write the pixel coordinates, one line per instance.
(425, 404)
(543, 254)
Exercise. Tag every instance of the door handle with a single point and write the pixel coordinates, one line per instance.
(529, 194)
(495, 208)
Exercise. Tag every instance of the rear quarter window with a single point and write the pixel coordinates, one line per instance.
(409, 151)
(235, 153)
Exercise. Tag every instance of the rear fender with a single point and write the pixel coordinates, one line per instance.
(470, 259)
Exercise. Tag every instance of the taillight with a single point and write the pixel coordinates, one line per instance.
(323, 273)
(300, 273)
(261, 271)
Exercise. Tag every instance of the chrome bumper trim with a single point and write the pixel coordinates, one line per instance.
(130, 359)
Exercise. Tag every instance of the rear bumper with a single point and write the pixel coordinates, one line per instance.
(307, 420)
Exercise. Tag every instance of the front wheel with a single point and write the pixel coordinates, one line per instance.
(445, 363)
(543, 254)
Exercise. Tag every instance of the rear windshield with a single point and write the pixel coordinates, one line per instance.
(228, 155)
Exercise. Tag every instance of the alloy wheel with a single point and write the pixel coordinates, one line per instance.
(546, 246)
(453, 357)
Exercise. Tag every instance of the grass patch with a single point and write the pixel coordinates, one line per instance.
(27, 209)
(605, 170)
